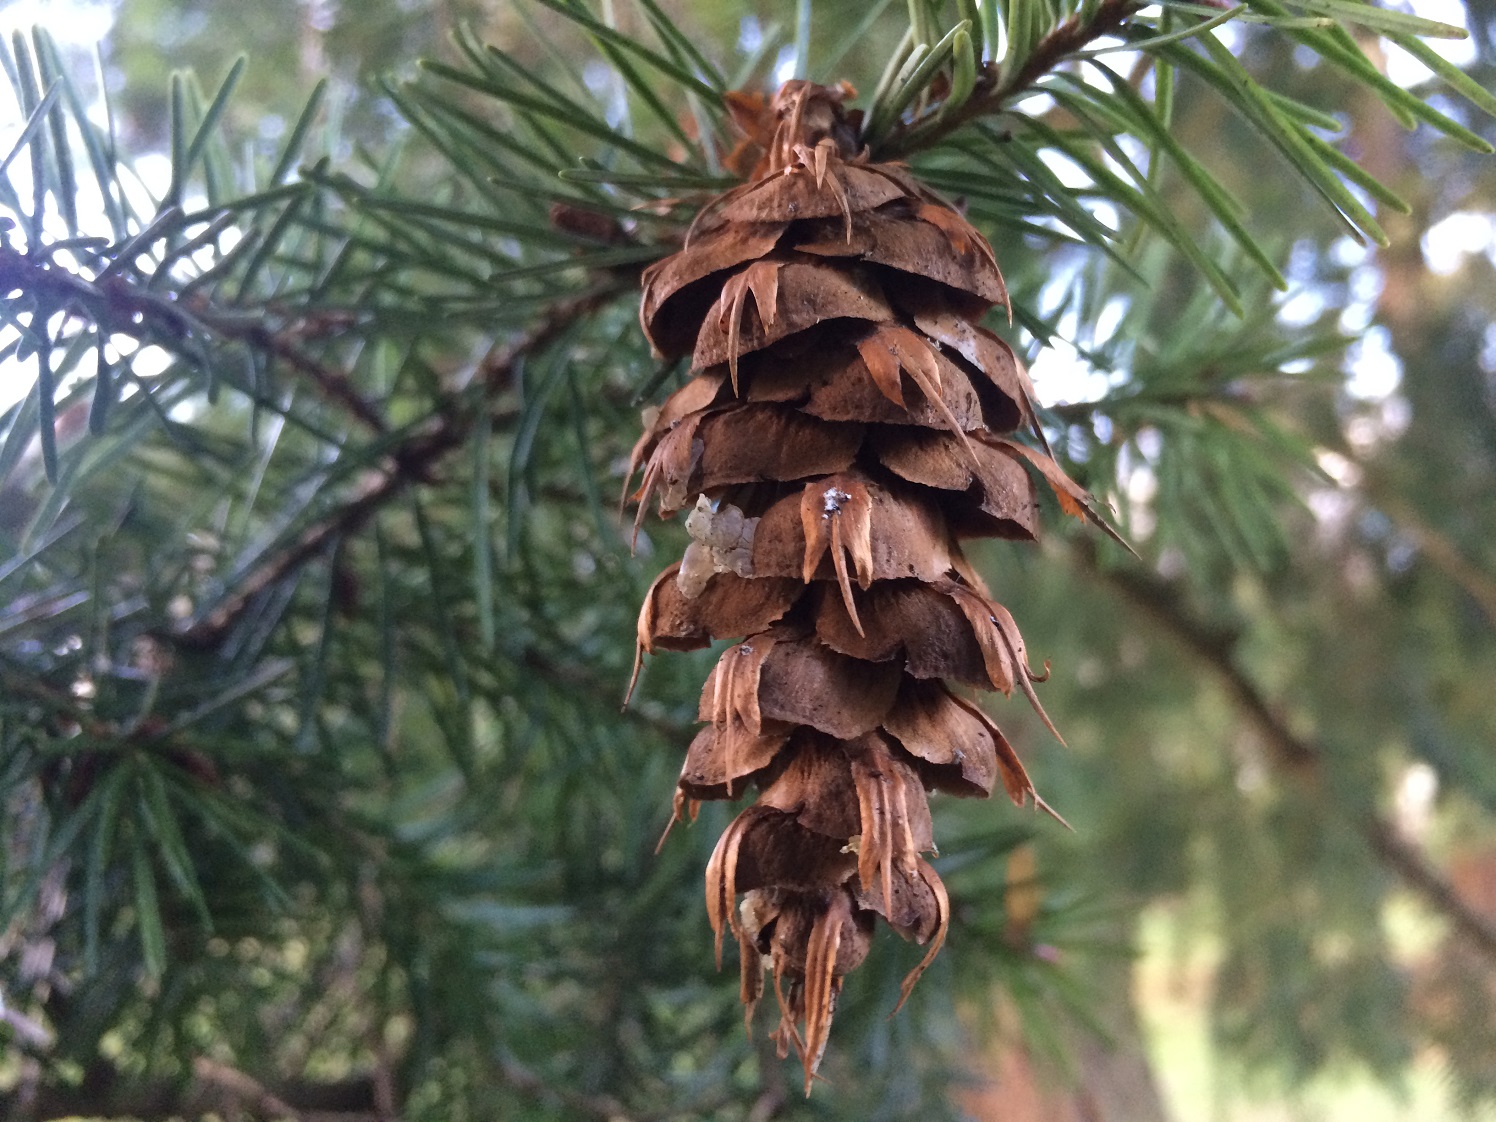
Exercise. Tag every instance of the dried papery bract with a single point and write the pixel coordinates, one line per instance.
(839, 439)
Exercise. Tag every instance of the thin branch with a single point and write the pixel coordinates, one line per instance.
(410, 462)
(528, 1082)
(773, 1096)
(105, 1092)
(1443, 554)
(1295, 755)
(242, 1089)
(1232, 395)
(995, 92)
(116, 305)
(335, 385)
(1409, 862)
(1215, 646)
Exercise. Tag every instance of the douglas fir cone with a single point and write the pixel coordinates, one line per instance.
(837, 442)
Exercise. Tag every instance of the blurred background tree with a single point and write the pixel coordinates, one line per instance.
(315, 607)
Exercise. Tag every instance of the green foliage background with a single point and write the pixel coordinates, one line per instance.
(316, 607)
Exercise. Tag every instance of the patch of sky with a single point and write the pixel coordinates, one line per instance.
(1061, 373)
(143, 184)
(597, 75)
(1229, 35)
(1363, 290)
(1449, 242)
(1075, 177)
(1307, 297)
(1370, 427)
(1348, 252)
(1332, 508)
(1344, 471)
(71, 23)
(1401, 554)
(1487, 362)
(1303, 307)
(1407, 71)
(1119, 56)
(750, 35)
(604, 81)
(1303, 262)
(1109, 320)
(1150, 443)
(320, 14)
(1148, 85)
(994, 50)
(1139, 481)
(1374, 370)
(784, 65)
(1136, 151)
(1108, 215)
(1374, 525)
(1077, 444)
(1488, 349)
(1035, 105)
(1136, 462)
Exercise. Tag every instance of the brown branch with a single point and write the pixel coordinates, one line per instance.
(773, 1095)
(411, 461)
(119, 306)
(243, 1090)
(333, 384)
(1409, 862)
(1215, 646)
(1295, 755)
(994, 92)
(1443, 554)
(104, 1092)
(527, 1082)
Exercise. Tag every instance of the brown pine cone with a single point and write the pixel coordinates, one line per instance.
(838, 441)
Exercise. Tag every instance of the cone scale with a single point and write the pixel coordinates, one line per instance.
(840, 438)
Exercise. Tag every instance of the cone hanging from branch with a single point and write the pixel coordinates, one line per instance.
(837, 443)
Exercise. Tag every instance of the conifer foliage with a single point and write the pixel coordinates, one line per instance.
(839, 441)
(313, 616)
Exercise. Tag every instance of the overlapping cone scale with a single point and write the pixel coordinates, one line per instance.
(837, 442)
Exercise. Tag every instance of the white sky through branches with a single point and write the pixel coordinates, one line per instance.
(1060, 373)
